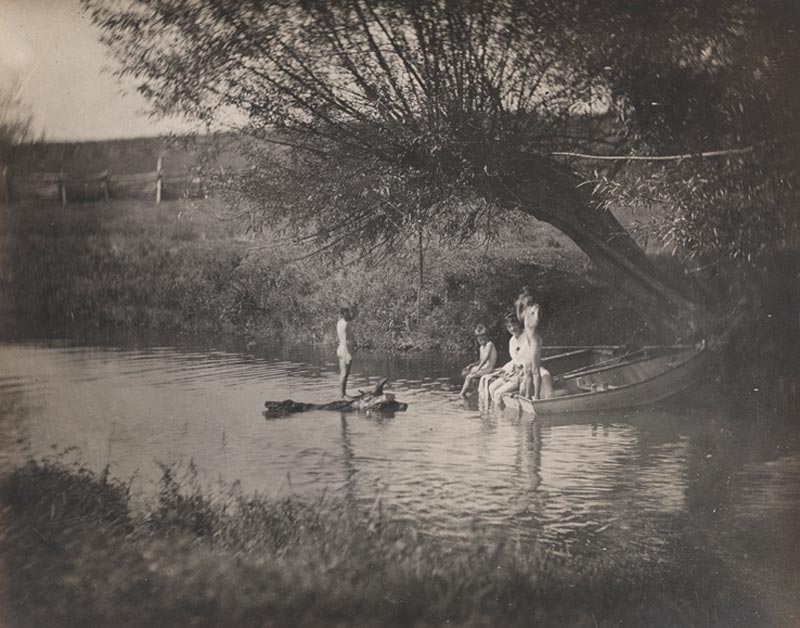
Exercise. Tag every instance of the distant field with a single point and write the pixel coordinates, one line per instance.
(180, 157)
(121, 169)
(140, 154)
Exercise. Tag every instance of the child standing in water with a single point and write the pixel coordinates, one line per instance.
(344, 350)
(487, 358)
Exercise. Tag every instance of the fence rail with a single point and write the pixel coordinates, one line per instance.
(62, 186)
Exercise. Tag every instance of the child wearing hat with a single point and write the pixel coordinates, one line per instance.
(487, 358)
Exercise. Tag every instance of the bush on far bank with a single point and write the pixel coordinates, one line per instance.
(178, 267)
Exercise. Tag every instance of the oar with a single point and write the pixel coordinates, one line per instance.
(581, 347)
(599, 365)
(610, 347)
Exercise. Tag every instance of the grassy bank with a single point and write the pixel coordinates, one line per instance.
(81, 556)
(176, 267)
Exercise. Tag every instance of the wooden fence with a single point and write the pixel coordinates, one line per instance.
(105, 185)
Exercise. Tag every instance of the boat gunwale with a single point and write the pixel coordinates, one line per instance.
(692, 354)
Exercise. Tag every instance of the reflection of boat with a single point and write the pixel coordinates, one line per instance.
(591, 379)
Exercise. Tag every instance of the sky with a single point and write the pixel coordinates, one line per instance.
(50, 53)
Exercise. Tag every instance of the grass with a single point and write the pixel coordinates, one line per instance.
(82, 556)
(174, 267)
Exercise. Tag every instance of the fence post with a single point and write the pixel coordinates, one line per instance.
(62, 188)
(158, 181)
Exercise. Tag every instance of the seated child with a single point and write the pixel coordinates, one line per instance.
(511, 374)
(487, 358)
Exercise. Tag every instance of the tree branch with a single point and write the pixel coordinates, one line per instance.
(707, 154)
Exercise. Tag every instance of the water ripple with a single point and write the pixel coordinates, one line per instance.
(586, 484)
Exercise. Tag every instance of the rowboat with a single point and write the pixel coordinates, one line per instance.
(592, 379)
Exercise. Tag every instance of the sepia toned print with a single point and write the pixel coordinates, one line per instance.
(247, 247)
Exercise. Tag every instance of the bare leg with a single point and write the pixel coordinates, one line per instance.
(536, 385)
(526, 386)
(465, 387)
(483, 385)
(344, 373)
(497, 392)
(498, 383)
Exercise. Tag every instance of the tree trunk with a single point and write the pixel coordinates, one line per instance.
(555, 196)
(421, 261)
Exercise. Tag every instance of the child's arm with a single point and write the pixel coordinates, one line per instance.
(468, 368)
(537, 374)
(348, 334)
(341, 332)
(534, 310)
(519, 305)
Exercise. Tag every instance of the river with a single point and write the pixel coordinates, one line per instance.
(615, 483)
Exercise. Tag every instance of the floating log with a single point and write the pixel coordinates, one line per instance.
(375, 401)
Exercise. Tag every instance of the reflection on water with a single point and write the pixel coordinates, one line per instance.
(612, 483)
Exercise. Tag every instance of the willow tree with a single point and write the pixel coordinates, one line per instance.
(411, 110)
(16, 127)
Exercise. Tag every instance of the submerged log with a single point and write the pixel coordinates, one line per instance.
(375, 401)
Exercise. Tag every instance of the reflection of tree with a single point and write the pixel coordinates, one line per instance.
(720, 450)
(742, 506)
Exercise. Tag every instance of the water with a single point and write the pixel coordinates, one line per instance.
(616, 483)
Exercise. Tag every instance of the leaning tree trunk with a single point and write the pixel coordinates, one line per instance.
(553, 195)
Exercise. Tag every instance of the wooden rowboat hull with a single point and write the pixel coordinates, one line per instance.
(642, 380)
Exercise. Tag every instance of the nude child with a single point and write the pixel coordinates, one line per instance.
(487, 358)
(345, 348)
(528, 313)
